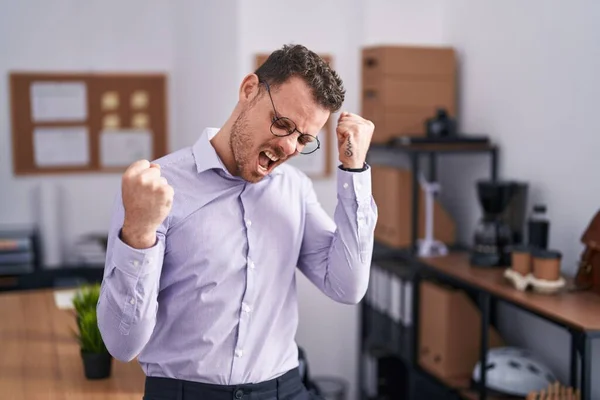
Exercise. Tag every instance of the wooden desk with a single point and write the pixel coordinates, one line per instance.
(577, 311)
(39, 358)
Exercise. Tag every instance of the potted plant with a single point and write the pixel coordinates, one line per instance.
(97, 361)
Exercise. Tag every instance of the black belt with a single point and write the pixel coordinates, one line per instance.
(283, 386)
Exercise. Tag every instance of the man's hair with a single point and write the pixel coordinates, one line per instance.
(298, 61)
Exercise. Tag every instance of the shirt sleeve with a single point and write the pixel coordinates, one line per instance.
(336, 254)
(129, 293)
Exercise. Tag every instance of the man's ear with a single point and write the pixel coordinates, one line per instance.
(249, 88)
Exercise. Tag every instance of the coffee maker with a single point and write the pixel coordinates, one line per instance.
(502, 224)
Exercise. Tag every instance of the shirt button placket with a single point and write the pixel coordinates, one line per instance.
(245, 309)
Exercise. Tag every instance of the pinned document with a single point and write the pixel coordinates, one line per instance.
(61, 147)
(58, 101)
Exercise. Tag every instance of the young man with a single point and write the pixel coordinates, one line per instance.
(204, 243)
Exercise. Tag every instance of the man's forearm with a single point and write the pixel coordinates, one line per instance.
(336, 254)
(351, 252)
(128, 302)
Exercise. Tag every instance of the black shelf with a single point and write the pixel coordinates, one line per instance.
(69, 275)
(435, 148)
(381, 336)
(403, 262)
(432, 153)
(386, 336)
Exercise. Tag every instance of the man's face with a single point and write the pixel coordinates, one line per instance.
(255, 149)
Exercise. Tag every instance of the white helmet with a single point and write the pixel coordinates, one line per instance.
(514, 371)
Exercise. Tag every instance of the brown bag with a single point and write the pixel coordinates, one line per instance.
(588, 275)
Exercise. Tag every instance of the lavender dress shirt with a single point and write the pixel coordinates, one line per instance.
(214, 300)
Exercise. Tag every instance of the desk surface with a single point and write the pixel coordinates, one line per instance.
(579, 310)
(40, 357)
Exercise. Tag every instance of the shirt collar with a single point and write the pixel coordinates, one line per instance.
(206, 156)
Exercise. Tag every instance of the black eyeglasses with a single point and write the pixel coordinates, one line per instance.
(283, 126)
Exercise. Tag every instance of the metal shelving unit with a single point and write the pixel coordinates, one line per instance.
(407, 352)
(377, 331)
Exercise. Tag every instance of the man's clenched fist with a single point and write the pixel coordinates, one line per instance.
(147, 199)
(354, 135)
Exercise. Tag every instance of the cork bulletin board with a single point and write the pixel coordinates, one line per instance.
(317, 165)
(76, 122)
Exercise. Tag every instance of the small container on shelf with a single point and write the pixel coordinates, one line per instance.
(546, 277)
(521, 260)
(535, 267)
(546, 265)
(538, 227)
(520, 270)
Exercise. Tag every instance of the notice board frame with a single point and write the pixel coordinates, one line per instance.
(327, 171)
(153, 84)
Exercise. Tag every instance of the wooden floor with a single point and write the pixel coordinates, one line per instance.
(39, 356)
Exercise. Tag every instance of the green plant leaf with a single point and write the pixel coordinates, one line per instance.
(88, 335)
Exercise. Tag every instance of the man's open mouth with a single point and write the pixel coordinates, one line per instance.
(266, 160)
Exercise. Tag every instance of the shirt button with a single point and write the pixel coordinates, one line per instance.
(251, 264)
(132, 301)
(136, 263)
(246, 307)
(239, 352)
(248, 223)
(345, 186)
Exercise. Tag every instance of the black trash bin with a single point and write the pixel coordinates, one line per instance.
(331, 387)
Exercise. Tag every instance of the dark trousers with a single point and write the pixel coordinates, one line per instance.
(287, 387)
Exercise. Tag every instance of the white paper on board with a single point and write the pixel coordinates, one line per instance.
(61, 146)
(121, 147)
(58, 101)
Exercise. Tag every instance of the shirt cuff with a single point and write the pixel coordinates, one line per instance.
(354, 185)
(135, 262)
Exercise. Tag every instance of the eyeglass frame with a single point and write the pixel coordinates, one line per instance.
(278, 117)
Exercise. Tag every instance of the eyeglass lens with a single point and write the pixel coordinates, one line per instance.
(284, 126)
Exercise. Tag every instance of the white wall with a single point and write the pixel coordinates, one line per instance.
(206, 65)
(529, 73)
(403, 22)
(177, 39)
(75, 36)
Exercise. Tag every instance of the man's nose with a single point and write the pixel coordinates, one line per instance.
(289, 144)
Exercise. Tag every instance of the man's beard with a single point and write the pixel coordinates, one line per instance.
(242, 146)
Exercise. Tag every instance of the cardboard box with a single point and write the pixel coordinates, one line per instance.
(383, 61)
(392, 191)
(449, 331)
(403, 86)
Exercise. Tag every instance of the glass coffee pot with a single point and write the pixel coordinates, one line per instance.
(493, 235)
